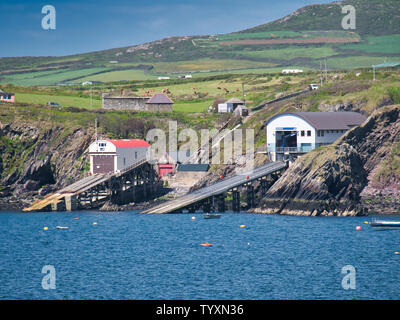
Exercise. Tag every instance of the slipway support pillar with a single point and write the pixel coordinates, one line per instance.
(236, 201)
(71, 203)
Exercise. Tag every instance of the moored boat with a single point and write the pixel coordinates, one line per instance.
(385, 224)
(211, 216)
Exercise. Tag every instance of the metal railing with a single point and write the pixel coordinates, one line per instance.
(302, 149)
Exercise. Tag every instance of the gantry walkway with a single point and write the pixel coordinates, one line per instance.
(83, 185)
(218, 188)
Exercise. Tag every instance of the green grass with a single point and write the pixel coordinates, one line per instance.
(291, 52)
(208, 65)
(263, 35)
(66, 101)
(47, 77)
(354, 62)
(194, 107)
(119, 75)
(383, 44)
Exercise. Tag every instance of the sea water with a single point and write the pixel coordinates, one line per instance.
(126, 255)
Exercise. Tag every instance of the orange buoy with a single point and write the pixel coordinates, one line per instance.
(206, 244)
(358, 228)
(221, 177)
(247, 177)
(76, 218)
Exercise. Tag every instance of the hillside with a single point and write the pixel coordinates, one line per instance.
(374, 17)
(302, 40)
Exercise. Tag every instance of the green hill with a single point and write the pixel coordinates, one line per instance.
(300, 40)
(373, 17)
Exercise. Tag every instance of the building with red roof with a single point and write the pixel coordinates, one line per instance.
(109, 156)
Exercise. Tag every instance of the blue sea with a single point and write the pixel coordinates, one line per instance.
(127, 255)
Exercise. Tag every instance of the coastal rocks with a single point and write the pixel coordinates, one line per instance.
(35, 160)
(355, 175)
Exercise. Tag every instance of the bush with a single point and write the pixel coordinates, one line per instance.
(394, 94)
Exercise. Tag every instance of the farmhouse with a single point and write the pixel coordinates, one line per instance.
(6, 96)
(158, 102)
(107, 156)
(230, 105)
(292, 134)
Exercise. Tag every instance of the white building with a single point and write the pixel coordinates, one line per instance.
(224, 107)
(291, 134)
(288, 71)
(107, 156)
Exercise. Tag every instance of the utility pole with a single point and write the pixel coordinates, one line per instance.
(373, 69)
(326, 71)
(95, 128)
(243, 95)
(91, 98)
(320, 72)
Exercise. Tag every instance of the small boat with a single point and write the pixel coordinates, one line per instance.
(211, 216)
(385, 225)
(63, 228)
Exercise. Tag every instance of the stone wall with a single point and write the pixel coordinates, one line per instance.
(124, 103)
(133, 103)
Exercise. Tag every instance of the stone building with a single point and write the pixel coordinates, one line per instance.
(159, 102)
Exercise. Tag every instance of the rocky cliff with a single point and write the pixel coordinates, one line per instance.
(358, 174)
(35, 160)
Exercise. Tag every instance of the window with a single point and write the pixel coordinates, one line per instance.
(124, 161)
(302, 133)
(318, 133)
(135, 155)
(308, 133)
(102, 144)
(322, 133)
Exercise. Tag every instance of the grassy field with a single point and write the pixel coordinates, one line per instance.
(382, 44)
(355, 62)
(119, 76)
(192, 106)
(66, 101)
(50, 77)
(208, 65)
(292, 52)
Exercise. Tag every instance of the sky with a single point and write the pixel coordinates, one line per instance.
(86, 26)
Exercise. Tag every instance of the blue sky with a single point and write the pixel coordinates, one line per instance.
(85, 26)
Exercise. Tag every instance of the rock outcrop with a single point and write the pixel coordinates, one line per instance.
(359, 173)
(35, 160)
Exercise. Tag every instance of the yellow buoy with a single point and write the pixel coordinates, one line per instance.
(396, 252)
(46, 228)
(94, 223)
(366, 222)
(243, 226)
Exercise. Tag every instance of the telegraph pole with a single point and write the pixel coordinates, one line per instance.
(320, 72)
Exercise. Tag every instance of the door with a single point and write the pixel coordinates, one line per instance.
(103, 163)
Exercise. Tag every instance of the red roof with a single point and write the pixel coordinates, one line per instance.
(126, 143)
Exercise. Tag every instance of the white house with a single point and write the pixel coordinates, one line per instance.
(224, 107)
(299, 132)
(107, 156)
(288, 71)
(230, 105)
